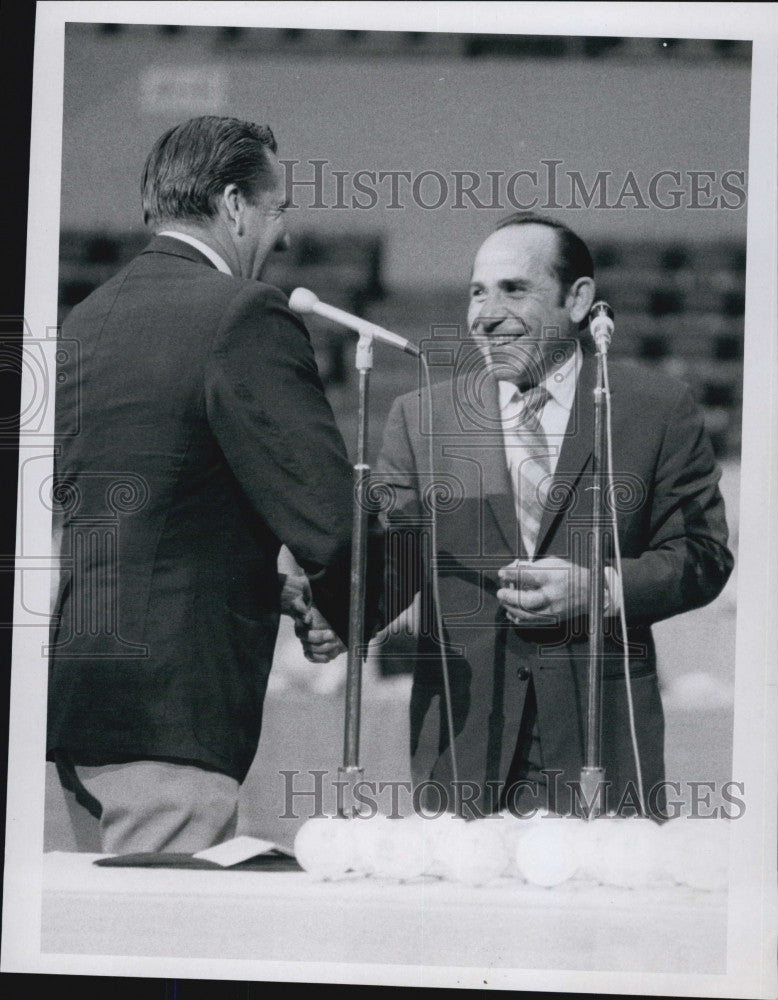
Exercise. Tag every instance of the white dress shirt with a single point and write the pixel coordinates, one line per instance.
(555, 415)
(218, 262)
(560, 384)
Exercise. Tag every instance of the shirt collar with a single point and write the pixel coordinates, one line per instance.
(560, 383)
(218, 261)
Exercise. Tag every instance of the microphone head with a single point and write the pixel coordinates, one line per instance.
(302, 300)
(600, 309)
(601, 325)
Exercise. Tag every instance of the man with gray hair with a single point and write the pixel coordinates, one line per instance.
(196, 423)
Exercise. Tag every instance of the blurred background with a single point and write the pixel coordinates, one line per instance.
(596, 120)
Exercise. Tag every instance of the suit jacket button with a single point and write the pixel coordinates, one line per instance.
(524, 673)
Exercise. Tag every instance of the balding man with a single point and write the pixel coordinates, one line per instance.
(513, 438)
(194, 439)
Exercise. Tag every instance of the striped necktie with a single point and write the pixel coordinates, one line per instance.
(529, 462)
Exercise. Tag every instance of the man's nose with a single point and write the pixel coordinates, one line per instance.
(488, 323)
(490, 315)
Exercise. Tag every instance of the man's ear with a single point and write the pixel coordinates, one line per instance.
(231, 206)
(579, 300)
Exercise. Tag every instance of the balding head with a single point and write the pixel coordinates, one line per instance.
(519, 309)
(572, 257)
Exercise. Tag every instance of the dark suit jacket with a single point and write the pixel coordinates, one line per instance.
(194, 438)
(673, 541)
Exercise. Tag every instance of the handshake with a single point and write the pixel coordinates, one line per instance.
(319, 642)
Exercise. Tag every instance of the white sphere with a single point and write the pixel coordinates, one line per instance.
(441, 836)
(547, 854)
(674, 839)
(696, 852)
(474, 852)
(399, 848)
(595, 844)
(324, 846)
(624, 852)
(698, 691)
(364, 835)
(511, 829)
(514, 827)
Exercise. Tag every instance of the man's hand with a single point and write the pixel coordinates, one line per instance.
(543, 592)
(296, 597)
(319, 642)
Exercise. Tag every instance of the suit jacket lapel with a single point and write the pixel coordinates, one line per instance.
(576, 450)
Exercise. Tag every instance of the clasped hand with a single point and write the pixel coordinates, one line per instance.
(319, 642)
(543, 592)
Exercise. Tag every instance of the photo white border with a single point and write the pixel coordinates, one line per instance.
(752, 902)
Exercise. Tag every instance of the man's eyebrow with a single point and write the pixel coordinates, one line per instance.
(504, 283)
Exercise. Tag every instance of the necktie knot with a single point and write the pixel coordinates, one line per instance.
(532, 401)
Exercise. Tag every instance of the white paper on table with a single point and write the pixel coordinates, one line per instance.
(232, 852)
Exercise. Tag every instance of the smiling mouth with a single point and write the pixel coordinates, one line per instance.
(500, 332)
(501, 339)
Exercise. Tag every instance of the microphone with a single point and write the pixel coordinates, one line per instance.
(302, 300)
(601, 325)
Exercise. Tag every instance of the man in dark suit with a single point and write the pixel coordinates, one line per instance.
(194, 438)
(512, 434)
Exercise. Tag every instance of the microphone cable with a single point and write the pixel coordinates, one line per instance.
(437, 608)
(620, 585)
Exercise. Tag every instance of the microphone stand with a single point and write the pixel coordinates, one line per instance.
(350, 771)
(593, 773)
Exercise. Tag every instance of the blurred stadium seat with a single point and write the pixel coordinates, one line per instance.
(377, 44)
